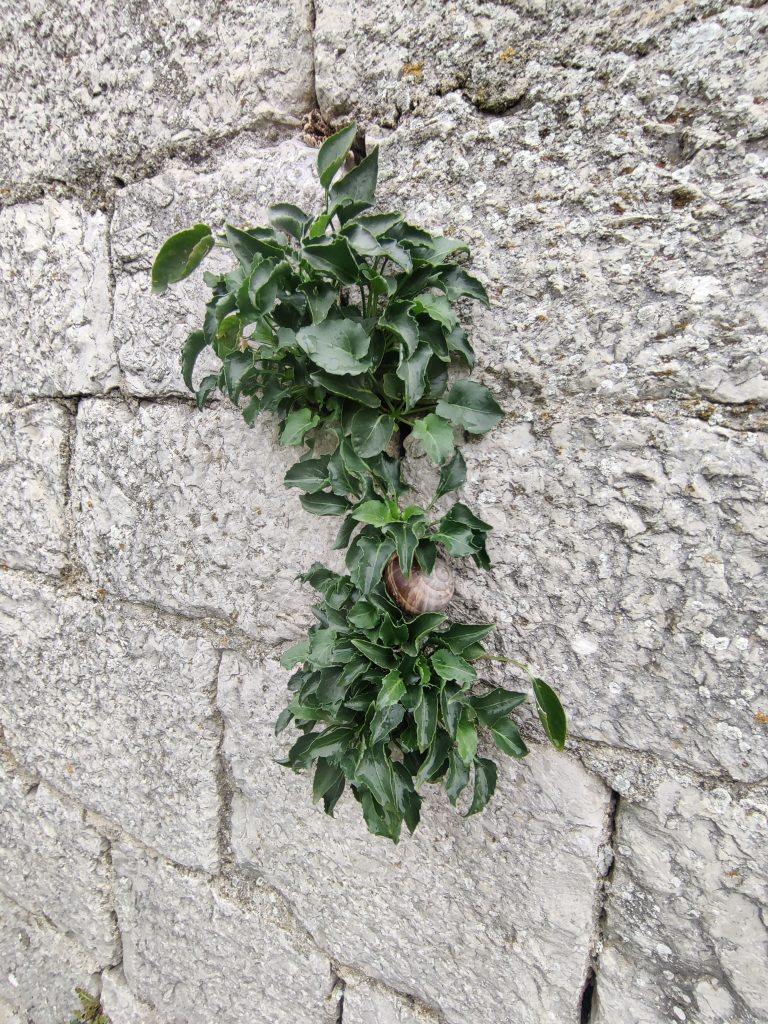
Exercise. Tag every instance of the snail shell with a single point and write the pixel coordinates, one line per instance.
(419, 592)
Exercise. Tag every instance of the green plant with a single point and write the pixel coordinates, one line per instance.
(90, 1009)
(343, 324)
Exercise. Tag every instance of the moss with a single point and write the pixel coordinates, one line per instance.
(90, 1009)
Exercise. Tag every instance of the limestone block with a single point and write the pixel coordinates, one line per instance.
(187, 509)
(94, 87)
(54, 864)
(55, 307)
(485, 920)
(685, 936)
(615, 216)
(34, 452)
(365, 1003)
(235, 188)
(40, 968)
(204, 951)
(627, 565)
(119, 1003)
(12, 1015)
(113, 707)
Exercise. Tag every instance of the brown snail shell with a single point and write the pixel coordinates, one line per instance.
(419, 592)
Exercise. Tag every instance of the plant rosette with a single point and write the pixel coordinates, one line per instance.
(343, 324)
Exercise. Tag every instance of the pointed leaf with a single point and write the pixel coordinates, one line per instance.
(508, 738)
(452, 476)
(371, 432)
(451, 666)
(180, 255)
(551, 713)
(485, 784)
(471, 406)
(333, 153)
(436, 434)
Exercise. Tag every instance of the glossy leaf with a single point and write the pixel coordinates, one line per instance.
(450, 666)
(193, 346)
(457, 778)
(180, 255)
(310, 475)
(466, 736)
(508, 738)
(333, 153)
(496, 704)
(452, 476)
(551, 713)
(296, 425)
(371, 432)
(358, 186)
(338, 346)
(471, 406)
(485, 784)
(322, 503)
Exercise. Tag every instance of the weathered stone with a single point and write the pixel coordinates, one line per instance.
(204, 951)
(40, 967)
(54, 864)
(108, 87)
(686, 938)
(119, 1003)
(484, 919)
(34, 452)
(624, 568)
(236, 187)
(365, 1003)
(11, 1015)
(188, 510)
(55, 330)
(113, 707)
(616, 217)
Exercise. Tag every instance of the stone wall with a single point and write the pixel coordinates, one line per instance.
(608, 164)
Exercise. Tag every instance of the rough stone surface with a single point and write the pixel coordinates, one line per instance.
(166, 478)
(99, 87)
(40, 968)
(34, 443)
(628, 564)
(119, 1003)
(114, 708)
(445, 913)
(203, 952)
(55, 864)
(365, 1003)
(616, 217)
(686, 937)
(55, 307)
(236, 187)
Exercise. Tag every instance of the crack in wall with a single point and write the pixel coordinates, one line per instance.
(606, 865)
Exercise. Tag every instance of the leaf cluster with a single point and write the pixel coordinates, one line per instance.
(384, 704)
(342, 324)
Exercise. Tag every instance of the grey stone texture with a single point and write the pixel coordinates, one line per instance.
(103, 88)
(55, 306)
(686, 910)
(235, 188)
(365, 1003)
(443, 914)
(34, 456)
(40, 967)
(628, 564)
(114, 708)
(55, 864)
(607, 165)
(203, 951)
(157, 478)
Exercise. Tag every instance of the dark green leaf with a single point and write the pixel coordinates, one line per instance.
(411, 371)
(508, 738)
(180, 255)
(384, 721)
(405, 543)
(207, 385)
(193, 346)
(457, 341)
(366, 559)
(323, 503)
(471, 406)
(246, 245)
(338, 346)
(296, 425)
(236, 368)
(380, 821)
(381, 656)
(466, 736)
(332, 256)
(436, 757)
(320, 297)
(457, 778)
(357, 388)
(496, 704)
(551, 713)
(310, 475)
(364, 615)
(392, 689)
(371, 432)
(426, 555)
(346, 530)
(289, 218)
(436, 434)
(458, 282)
(407, 800)
(452, 475)
(425, 716)
(295, 655)
(461, 635)
(485, 784)
(437, 308)
(327, 777)
(451, 666)
(358, 186)
(333, 153)
(398, 319)
(283, 720)
(375, 771)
